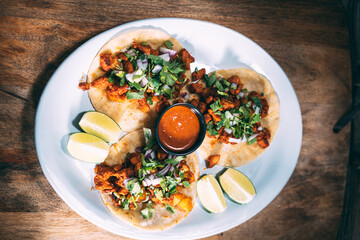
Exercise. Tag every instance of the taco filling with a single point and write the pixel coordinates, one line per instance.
(234, 114)
(145, 74)
(149, 178)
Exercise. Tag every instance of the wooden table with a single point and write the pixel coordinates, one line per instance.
(309, 40)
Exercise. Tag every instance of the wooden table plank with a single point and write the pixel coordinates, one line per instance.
(309, 40)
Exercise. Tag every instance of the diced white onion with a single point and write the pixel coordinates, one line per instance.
(260, 129)
(228, 130)
(233, 85)
(146, 182)
(130, 77)
(236, 140)
(156, 181)
(131, 52)
(165, 86)
(165, 57)
(169, 51)
(140, 64)
(156, 94)
(257, 110)
(236, 114)
(151, 177)
(144, 81)
(157, 68)
(152, 155)
(241, 95)
(185, 95)
(196, 81)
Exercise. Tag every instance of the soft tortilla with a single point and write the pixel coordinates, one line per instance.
(162, 218)
(242, 153)
(127, 114)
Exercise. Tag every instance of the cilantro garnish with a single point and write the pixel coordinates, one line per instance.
(252, 141)
(148, 211)
(170, 208)
(169, 44)
(186, 184)
(216, 105)
(135, 95)
(210, 129)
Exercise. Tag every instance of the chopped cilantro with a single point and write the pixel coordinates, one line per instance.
(149, 101)
(223, 94)
(219, 86)
(257, 101)
(216, 105)
(135, 85)
(224, 82)
(244, 90)
(210, 129)
(186, 184)
(252, 141)
(174, 161)
(210, 80)
(169, 44)
(148, 211)
(170, 208)
(135, 95)
(112, 77)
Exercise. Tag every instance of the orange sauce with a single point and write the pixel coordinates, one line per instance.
(178, 128)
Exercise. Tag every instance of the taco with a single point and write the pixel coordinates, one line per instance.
(241, 110)
(144, 186)
(136, 75)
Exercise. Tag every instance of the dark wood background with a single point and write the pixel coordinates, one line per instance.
(309, 39)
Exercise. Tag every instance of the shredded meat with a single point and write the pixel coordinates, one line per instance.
(208, 92)
(189, 176)
(116, 92)
(123, 57)
(160, 106)
(107, 62)
(224, 136)
(181, 82)
(186, 58)
(214, 116)
(209, 99)
(147, 49)
(183, 166)
(207, 118)
(265, 107)
(194, 102)
(128, 67)
(263, 138)
(202, 107)
(101, 82)
(134, 158)
(84, 86)
(144, 107)
(227, 105)
(198, 75)
(161, 154)
(195, 88)
(212, 160)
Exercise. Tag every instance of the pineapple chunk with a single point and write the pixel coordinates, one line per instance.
(186, 204)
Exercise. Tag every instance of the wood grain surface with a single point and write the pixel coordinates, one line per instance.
(309, 39)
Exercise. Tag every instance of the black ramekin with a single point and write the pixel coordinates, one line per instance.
(201, 135)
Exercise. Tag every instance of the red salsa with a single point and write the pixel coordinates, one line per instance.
(178, 128)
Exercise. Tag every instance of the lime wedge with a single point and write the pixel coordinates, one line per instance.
(100, 125)
(237, 186)
(210, 194)
(87, 147)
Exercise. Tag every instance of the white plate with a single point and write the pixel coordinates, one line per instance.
(214, 47)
